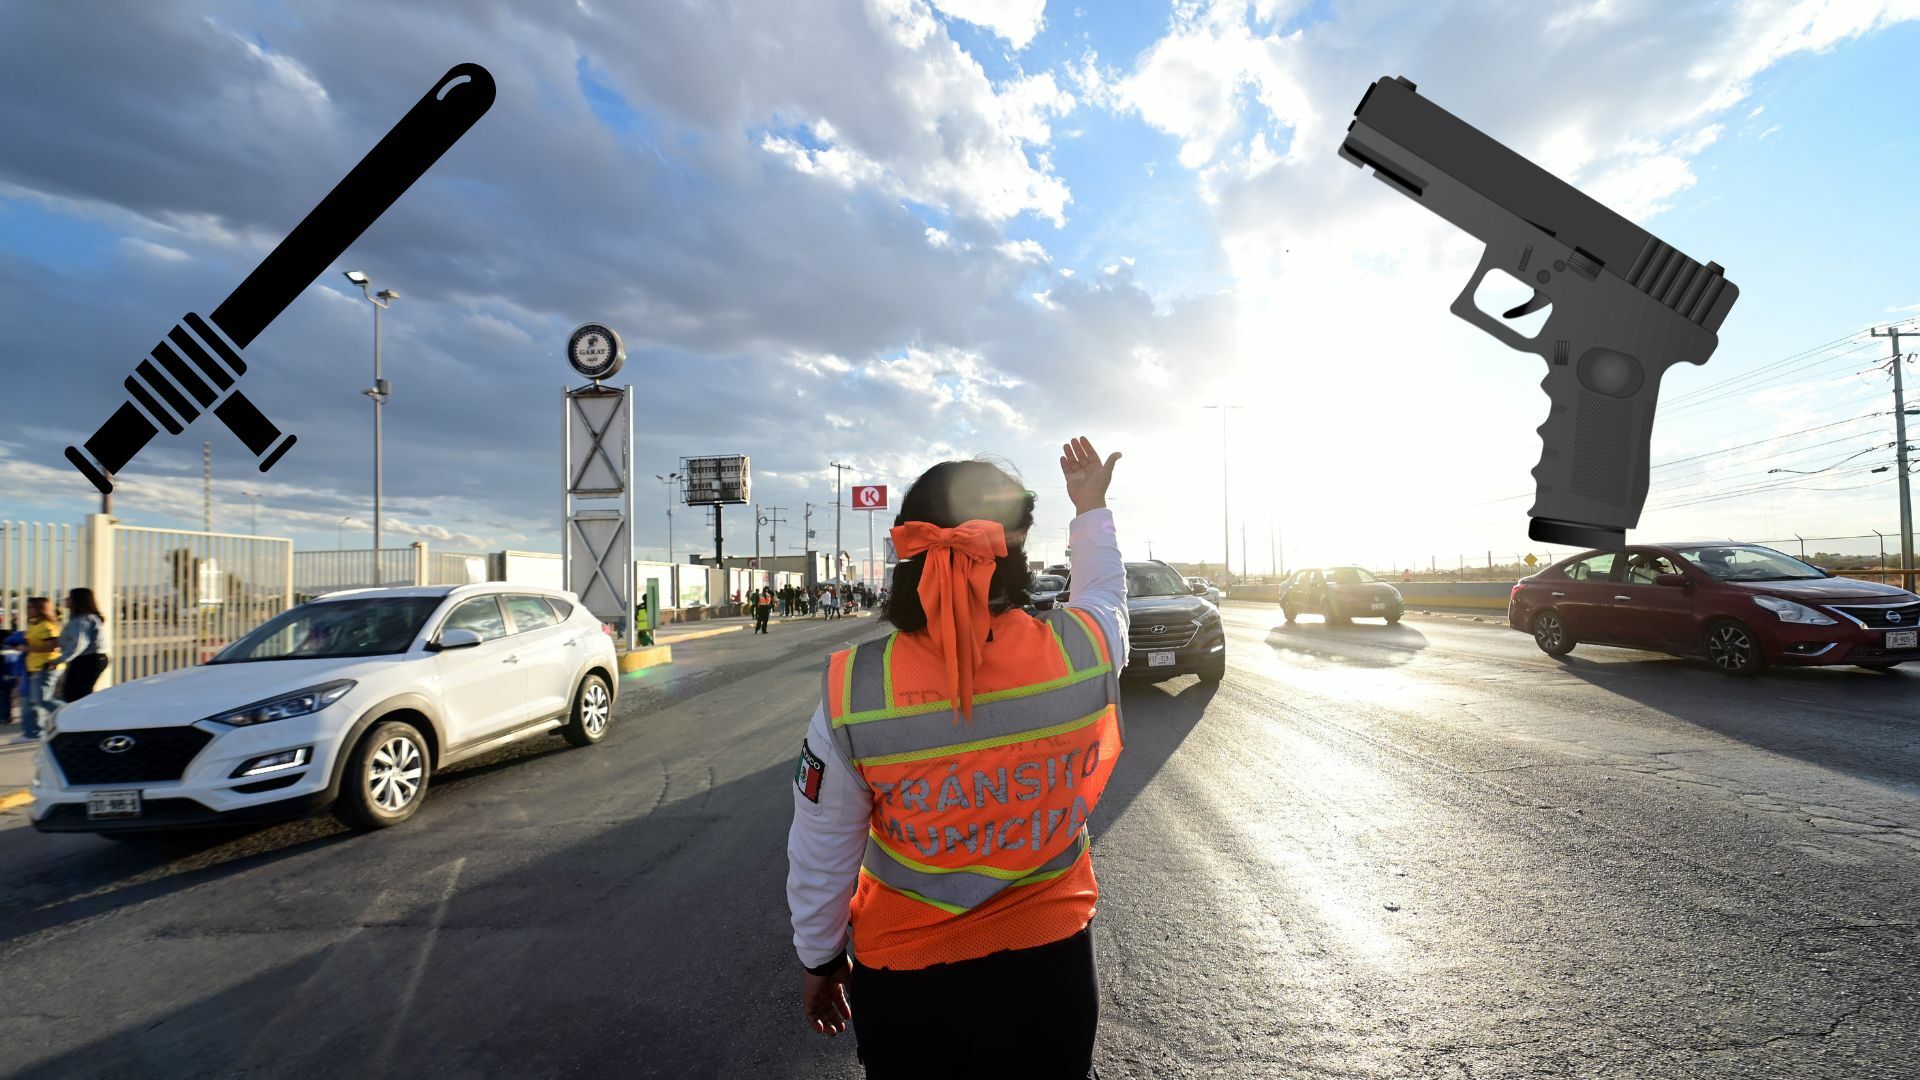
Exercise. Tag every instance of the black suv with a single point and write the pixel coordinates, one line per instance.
(1171, 631)
(1340, 593)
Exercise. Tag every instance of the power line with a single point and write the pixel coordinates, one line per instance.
(1757, 380)
(1760, 487)
(1805, 357)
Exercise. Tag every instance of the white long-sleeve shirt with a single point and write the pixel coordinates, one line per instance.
(829, 836)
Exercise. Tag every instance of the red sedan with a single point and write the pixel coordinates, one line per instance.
(1741, 606)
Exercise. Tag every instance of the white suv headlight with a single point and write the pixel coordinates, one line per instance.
(1791, 612)
(298, 703)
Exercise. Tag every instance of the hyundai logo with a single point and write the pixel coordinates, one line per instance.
(1157, 629)
(117, 744)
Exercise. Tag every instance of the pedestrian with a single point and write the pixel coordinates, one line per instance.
(762, 608)
(83, 645)
(43, 665)
(786, 600)
(968, 915)
(13, 672)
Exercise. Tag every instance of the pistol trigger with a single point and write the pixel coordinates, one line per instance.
(1539, 301)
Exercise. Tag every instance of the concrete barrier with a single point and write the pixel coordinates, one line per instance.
(645, 657)
(1478, 595)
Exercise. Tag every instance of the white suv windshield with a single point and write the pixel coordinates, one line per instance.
(1728, 562)
(334, 628)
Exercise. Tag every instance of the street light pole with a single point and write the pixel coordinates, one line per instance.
(669, 481)
(340, 532)
(253, 513)
(1226, 528)
(839, 471)
(379, 393)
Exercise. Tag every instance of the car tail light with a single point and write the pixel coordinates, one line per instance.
(1514, 593)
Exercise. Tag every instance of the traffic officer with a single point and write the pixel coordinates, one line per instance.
(943, 790)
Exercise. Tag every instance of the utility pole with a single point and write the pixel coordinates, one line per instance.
(839, 471)
(206, 487)
(758, 521)
(1900, 457)
(1149, 551)
(774, 519)
(1226, 529)
(1245, 566)
(806, 542)
(1273, 550)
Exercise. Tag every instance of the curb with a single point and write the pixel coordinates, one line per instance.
(695, 635)
(640, 659)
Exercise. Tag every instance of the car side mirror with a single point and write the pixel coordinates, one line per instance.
(1679, 580)
(455, 639)
(1197, 590)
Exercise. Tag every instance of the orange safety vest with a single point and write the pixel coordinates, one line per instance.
(978, 839)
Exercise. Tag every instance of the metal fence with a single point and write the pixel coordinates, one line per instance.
(37, 559)
(1869, 555)
(457, 568)
(316, 572)
(179, 597)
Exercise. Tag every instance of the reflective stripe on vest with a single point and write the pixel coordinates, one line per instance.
(1015, 741)
(960, 889)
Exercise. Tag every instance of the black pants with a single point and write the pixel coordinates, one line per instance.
(1021, 1013)
(81, 673)
(760, 614)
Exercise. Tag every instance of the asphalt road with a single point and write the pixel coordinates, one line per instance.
(1415, 851)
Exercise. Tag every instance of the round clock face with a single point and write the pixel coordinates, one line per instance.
(596, 351)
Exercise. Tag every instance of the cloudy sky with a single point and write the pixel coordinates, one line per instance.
(888, 232)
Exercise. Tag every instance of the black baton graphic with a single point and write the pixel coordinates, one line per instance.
(194, 367)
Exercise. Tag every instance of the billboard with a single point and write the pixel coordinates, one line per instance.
(870, 496)
(717, 480)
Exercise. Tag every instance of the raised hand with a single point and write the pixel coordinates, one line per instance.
(1087, 478)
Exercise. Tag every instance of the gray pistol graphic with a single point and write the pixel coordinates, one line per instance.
(1625, 305)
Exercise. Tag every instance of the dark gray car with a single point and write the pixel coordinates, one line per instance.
(1340, 593)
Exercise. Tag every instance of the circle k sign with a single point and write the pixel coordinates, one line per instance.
(870, 496)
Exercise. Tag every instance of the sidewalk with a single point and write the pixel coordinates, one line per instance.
(675, 633)
(16, 767)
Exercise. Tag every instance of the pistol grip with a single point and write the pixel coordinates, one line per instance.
(1592, 478)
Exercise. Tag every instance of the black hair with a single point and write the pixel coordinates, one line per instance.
(82, 602)
(946, 495)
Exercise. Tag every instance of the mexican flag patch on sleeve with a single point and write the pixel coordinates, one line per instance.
(807, 774)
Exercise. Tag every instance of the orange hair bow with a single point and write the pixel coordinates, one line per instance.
(954, 582)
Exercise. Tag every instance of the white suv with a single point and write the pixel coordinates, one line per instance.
(347, 702)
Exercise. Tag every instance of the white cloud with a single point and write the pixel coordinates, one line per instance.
(151, 250)
(1027, 251)
(1016, 20)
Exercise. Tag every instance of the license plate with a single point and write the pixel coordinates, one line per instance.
(113, 804)
(1159, 659)
(1903, 639)
(1379, 605)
